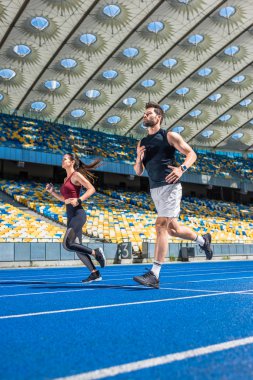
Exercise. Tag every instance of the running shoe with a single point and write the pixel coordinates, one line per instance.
(148, 279)
(207, 246)
(94, 276)
(100, 257)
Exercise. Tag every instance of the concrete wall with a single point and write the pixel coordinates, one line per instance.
(115, 253)
(10, 168)
(117, 179)
(17, 252)
(177, 250)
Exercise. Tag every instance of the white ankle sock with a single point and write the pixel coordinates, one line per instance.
(200, 240)
(156, 268)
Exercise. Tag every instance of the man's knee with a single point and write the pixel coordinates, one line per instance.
(161, 226)
(172, 232)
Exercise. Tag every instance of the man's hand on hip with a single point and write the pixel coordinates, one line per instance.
(174, 176)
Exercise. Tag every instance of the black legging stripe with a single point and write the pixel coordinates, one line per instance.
(76, 218)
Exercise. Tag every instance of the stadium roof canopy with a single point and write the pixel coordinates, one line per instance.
(95, 63)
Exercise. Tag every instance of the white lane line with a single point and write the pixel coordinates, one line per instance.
(220, 279)
(44, 279)
(41, 293)
(206, 274)
(41, 283)
(126, 273)
(168, 274)
(180, 289)
(198, 281)
(114, 305)
(250, 292)
(117, 287)
(194, 290)
(34, 283)
(160, 360)
(78, 290)
(161, 288)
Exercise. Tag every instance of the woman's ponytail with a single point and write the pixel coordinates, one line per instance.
(83, 168)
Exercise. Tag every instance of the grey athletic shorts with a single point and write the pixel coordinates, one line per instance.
(167, 200)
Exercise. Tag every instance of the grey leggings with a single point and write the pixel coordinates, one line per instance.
(76, 218)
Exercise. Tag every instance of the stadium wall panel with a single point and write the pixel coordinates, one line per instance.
(46, 252)
(26, 155)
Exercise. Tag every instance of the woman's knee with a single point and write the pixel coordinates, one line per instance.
(69, 239)
(67, 245)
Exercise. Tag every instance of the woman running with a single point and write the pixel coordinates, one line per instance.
(77, 177)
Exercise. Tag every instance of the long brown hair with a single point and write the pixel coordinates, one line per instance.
(83, 168)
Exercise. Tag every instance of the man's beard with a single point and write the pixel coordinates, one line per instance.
(149, 123)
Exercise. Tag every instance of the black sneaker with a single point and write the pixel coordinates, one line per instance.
(94, 276)
(207, 246)
(100, 257)
(148, 279)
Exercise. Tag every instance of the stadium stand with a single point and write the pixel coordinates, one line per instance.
(223, 166)
(17, 132)
(117, 216)
(116, 148)
(108, 219)
(39, 135)
(19, 226)
(228, 221)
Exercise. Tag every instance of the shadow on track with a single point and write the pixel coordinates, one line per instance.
(28, 282)
(66, 286)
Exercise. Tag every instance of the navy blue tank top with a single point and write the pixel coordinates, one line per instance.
(158, 155)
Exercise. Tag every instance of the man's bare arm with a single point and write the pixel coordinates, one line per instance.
(178, 143)
(138, 166)
(176, 140)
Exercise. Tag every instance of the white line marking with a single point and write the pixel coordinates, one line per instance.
(207, 274)
(220, 279)
(34, 284)
(161, 288)
(126, 273)
(184, 280)
(123, 286)
(40, 293)
(198, 281)
(123, 273)
(114, 305)
(249, 292)
(194, 290)
(123, 279)
(161, 360)
(78, 290)
(44, 279)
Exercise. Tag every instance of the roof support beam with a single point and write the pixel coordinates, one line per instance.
(105, 61)
(57, 52)
(203, 63)
(230, 134)
(239, 35)
(157, 61)
(8, 31)
(249, 64)
(250, 147)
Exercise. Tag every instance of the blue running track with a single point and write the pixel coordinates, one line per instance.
(198, 325)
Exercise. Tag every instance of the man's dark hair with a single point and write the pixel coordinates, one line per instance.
(157, 108)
